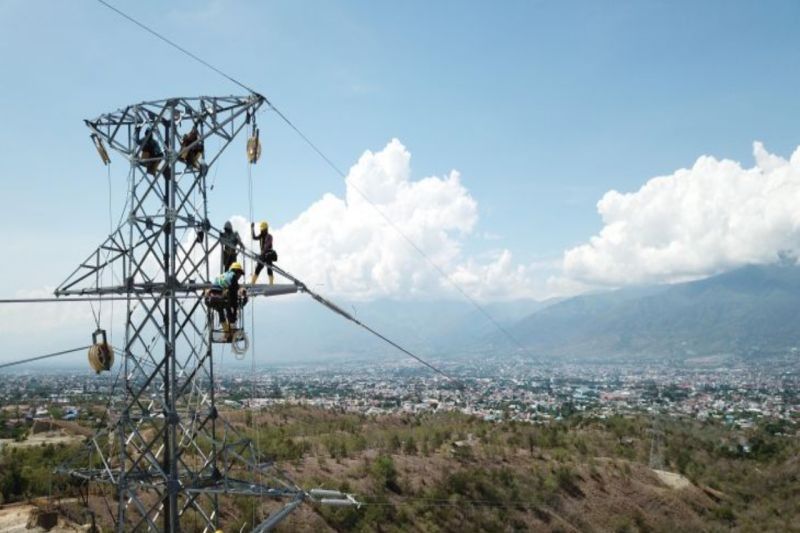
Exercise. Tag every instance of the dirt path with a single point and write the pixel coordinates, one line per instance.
(672, 480)
(14, 519)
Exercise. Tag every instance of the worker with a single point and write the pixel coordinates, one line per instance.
(192, 148)
(150, 151)
(231, 242)
(224, 297)
(267, 255)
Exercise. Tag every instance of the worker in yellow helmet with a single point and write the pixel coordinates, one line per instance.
(224, 296)
(267, 255)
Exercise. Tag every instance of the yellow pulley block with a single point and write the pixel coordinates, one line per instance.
(101, 354)
(253, 148)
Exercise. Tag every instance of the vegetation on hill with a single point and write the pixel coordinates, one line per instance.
(447, 471)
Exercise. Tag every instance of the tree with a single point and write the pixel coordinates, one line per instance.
(384, 473)
(410, 446)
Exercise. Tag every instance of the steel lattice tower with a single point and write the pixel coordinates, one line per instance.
(166, 453)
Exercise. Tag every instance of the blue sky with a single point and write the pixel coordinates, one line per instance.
(542, 107)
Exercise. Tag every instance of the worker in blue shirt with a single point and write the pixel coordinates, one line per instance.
(224, 296)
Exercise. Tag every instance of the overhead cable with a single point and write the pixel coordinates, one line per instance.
(338, 310)
(40, 357)
(88, 299)
(330, 163)
(177, 46)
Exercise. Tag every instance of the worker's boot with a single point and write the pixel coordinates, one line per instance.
(271, 279)
(226, 327)
(253, 279)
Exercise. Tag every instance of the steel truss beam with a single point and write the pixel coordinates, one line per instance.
(166, 452)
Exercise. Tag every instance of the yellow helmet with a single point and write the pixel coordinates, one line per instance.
(237, 266)
(264, 226)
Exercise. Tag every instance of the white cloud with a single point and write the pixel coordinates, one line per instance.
(29, 316)
(345, 247)
(699, 221)
(498, 278)
(341, 247)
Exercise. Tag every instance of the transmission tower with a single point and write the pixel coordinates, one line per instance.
(166, 453)
(656, 443)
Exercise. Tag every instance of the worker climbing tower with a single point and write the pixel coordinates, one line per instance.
(165, 454)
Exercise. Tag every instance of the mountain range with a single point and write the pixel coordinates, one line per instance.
(752, 312)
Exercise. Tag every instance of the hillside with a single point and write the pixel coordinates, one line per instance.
(749, 312)
(443, 471)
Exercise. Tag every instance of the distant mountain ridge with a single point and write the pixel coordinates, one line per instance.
(753, 311)
(749, 312)
(298, 329)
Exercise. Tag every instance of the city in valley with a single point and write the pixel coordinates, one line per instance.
(492, 389)
(710, 445)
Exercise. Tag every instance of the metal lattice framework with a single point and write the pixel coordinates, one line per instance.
(166, 452)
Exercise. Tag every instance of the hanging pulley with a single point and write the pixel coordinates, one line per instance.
(101, 150)
(101, 354)
(253, 147)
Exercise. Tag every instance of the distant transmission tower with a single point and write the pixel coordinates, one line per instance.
(656, 444)
(166, 453)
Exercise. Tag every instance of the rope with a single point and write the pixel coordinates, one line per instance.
(96, 315)
(110, 231)
(99, 316)
(257, 471)
(216, 168)
(110, 214)
(46, 356)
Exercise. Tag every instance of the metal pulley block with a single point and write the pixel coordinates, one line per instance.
(101, 149)
(101, 354)
(253, 147)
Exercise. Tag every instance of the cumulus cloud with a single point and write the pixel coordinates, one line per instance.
(343, 247)
(346, 247)
(695, 222)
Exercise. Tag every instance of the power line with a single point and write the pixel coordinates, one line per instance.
(87, 299)
(338, 310)
(46, 356)
(353, 319)
(403, 234)
(330, 163)
(177, 46)
(454, 503)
